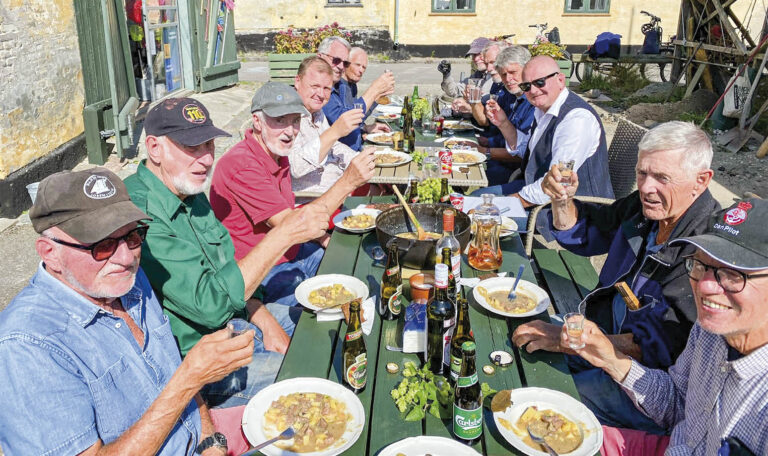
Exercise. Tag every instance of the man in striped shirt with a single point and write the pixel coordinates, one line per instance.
(716, 394)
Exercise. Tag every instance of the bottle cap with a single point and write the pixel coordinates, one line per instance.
(468, 346)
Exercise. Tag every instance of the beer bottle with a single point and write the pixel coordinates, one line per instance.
(403, 114)
(354, 354)
(413, 193)
(450, 241)
(411, 139)
(446, 260)
(440, 320)
(391, 286)
(468, 399)
(445, 194)
(462, 332)
(415, 94)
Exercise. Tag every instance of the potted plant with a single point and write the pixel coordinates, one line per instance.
(294, 45)
(542, 46)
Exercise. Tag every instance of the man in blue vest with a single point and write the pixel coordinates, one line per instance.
(565, 128)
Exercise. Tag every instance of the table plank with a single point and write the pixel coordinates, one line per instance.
(581, 270)
(565, 296)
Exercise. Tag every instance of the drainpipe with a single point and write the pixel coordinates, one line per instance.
(395, 45)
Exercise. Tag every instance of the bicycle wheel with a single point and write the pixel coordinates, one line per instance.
(658, 71)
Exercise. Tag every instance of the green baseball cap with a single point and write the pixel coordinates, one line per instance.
(87, 205)
(277, 99)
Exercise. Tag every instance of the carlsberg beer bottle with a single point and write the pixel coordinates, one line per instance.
(468, 399)
(461, 333)
(354, 352)
(391, 286)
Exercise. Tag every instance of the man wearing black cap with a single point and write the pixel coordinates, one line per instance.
(189, 256)
(716, 394)
(252, 194)
(89, 361)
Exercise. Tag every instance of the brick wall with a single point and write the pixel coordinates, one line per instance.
(41, 82)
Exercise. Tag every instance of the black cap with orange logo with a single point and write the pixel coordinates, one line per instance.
(184, 120)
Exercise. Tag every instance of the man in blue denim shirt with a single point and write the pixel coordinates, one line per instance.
(89, 362)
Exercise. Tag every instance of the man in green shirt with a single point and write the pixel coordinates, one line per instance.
(188, 255)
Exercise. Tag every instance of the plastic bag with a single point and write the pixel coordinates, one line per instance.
(736, 96)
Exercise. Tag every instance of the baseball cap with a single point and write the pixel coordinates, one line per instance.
(477, 46)
(737, 236)
(184, 120)
(277, 99)
(87, 205)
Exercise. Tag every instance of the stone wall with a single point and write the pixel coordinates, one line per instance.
(42, 93)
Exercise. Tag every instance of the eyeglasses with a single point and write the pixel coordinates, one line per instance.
(731, 280)
(541, 82)
(337, 60)
(105, 248)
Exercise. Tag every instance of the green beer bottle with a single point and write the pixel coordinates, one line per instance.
(445, 193)
(415, 94)
(440, 320)
(391, 286)
(403, 114)
(354, 354)
(468, 399)
(462, 332)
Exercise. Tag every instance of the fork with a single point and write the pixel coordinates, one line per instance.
(285, 435)
(512, 295)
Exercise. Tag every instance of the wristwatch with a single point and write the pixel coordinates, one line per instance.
(216, 439)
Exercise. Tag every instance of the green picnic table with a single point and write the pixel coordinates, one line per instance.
(315, 349)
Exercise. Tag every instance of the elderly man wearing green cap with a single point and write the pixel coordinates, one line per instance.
(251, 190)
(189, 256)
(89, 362)
(715, 396)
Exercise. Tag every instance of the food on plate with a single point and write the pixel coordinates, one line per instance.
(386, 117)
(457, 125)
(380, 138)
(500, 300)
(453, 142)
(383, 100)
(431, 236)
(318, 419)
(360, 221)
(330, 295)
(463, 157)
(387, 159)
(381, 206)
(562, 434)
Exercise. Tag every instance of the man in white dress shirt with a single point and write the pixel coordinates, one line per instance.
(565, 128)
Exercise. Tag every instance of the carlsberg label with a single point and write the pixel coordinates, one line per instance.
(467, 424)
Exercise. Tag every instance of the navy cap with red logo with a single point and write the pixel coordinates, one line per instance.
(737, 236)
(184, 120)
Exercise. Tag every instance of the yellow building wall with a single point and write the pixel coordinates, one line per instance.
(259, 16)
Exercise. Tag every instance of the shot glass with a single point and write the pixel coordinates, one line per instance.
(237, 326)
(428, 126)
(574, 326)
(359, 106)
(493, 97)
(565, 167)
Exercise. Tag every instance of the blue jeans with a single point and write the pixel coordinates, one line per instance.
(241, 385)
(503, 189)
(281, 282)
(498, 173)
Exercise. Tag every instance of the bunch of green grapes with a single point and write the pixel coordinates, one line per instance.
(418, 156)
(429, 190)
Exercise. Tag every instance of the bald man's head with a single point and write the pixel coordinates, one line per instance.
(358, 59)
(544, 80)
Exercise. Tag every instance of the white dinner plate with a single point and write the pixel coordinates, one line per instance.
(458, 125)
(392, 108)
(544, 399)
(505, 283)
(404, 158)
(253, 415)
(353, 284)
(391, 117)
(451, 142)
(435, 446)
(477, 156)
(383, 139)
(338, 221)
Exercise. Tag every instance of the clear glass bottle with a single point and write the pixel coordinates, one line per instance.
(449, 240)
(484, 248)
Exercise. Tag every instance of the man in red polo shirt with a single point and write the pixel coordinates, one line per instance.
(251, 188)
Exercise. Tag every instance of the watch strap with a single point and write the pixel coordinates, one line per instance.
(217, 439)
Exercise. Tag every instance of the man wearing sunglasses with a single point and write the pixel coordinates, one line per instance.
(566, 128)
(715, 397)
(190, 257)
(89, 362)
(337, 52)
(637, 233)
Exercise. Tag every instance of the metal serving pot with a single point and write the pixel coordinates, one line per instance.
(414, 253)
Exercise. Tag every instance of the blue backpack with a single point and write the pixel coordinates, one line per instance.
(607, 44)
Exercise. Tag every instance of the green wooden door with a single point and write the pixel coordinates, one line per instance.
(110, 89)
(214, 51)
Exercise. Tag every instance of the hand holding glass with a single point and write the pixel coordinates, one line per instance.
(574, 326)
(565, 167)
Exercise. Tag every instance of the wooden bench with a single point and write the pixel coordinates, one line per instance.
(569, 277)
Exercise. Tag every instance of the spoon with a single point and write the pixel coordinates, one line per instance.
(540, 440)
(285, 435)
(422, 234)
(512, 295)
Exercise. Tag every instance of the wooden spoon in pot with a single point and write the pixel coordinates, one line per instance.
(421, 233)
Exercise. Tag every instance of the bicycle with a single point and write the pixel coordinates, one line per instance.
(606, 66)
(553, 36)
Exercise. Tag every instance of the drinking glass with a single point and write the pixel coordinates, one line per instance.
(428, 126)
(574, 326)
(565, 167)
(360, 106)
(431, 165)
(237, 326)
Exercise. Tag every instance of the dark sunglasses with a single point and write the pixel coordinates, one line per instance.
(541, 82)
(105, 248)
(337, 60)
